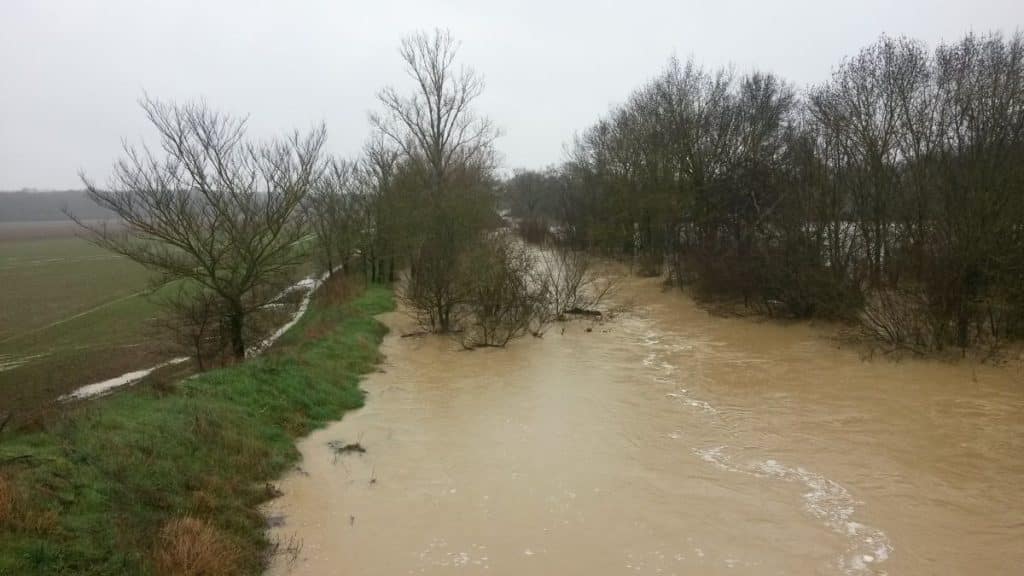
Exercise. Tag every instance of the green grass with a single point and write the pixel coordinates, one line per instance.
(100, 483)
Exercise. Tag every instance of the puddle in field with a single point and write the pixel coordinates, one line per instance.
(106, 386)
(307, 285)
(665, 441)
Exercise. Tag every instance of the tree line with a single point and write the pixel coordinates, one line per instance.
(229, 220)
(892, 193)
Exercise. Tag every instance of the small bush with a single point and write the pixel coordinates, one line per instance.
(502, 303)
(569, 281)
(898, 318)
(191, 547)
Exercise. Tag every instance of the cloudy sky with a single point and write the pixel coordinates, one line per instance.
(73, 71)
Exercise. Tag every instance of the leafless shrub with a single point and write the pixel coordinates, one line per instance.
(898, 318)
(432, 290)
(503, 302)
(569, 280)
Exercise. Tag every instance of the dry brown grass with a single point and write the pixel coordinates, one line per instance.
(339, 288)
(6, 501)
(191, 547)
(16, 515)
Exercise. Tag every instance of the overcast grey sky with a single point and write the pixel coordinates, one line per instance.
(72, 71)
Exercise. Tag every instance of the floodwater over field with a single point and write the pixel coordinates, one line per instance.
(663, 441)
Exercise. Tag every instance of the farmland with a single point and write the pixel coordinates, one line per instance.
(73, 314)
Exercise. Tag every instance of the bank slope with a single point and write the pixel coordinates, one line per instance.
(167, 481)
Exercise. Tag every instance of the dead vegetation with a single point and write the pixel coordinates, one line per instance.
(6, 500)
(503, 301)
(191, 547)
(19, 515)
(571, 283)
(340, 447)
(515, 289)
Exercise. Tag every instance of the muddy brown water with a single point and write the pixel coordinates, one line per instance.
(665, 441)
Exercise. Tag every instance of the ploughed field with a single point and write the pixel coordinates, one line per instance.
(72, 314)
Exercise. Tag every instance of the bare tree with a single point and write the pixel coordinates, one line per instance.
(387, 218)
(333, 213)
(861, 109)
(450, 149)
(436, 124)
(213, 209)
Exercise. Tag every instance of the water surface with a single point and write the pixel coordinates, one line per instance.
(664, 441)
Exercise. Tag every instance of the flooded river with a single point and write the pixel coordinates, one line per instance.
(664, 441)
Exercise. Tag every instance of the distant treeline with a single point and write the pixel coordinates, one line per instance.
(892, 194)
(37, 206)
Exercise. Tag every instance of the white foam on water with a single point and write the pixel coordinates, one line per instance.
(702, 405)
(824, 499)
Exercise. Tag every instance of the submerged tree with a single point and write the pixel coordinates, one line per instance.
(447, 157)
(214, 209)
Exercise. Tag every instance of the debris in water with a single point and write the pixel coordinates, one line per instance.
(340, 447)
(583, 312)
(276, 521)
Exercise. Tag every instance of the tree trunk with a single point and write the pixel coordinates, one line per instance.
(237, 321)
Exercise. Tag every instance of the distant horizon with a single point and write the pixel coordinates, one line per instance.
(48, 206)
(30, 190)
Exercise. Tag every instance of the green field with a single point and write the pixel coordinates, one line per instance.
(72, 314)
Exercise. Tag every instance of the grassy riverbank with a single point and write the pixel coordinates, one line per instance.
(148, 479)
